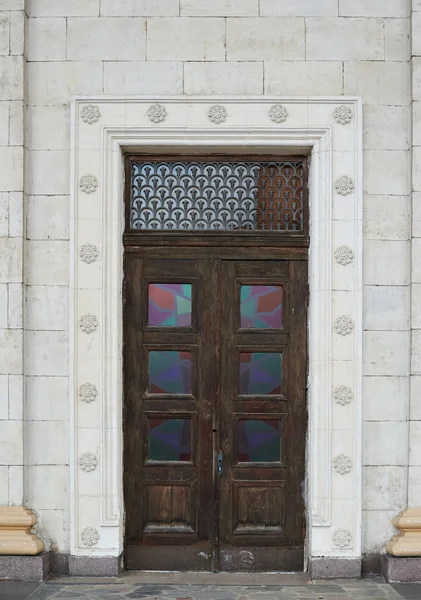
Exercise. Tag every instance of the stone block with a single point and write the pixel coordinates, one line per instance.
(300, 8)
(25, 568)
(47, 308)
(47, 487)
(415, 395)
(15, 306)
(53, 528)
(46, 443)
(92, 566)
(135, 77)
(385, 443)
(401, 569)
(140, 8)
(16, 214)
(416, 352)
(384, 488)
(373, 8)
(223, 78)
(46, 353)
(414, 485)
(48, 127)
(303, 78)
(56, 82)
(387, 172)
(11, 68)
(4, 123)
(4, 478)
(17, 32)
(416, 78)
(4, 399)
(386, 308)
(397, 39)
(386, 353)
(11, 260)
(4, 300)
(11, 443)
(48, 172)
(186, 38)
(385, 398)
(47, 218)
(46, 38)
(219, 8)
(12, 4)
(416, 263)
(11, 352)
(378, 82)
(59, 564)
(47, 263)
(63, 8)
(415, 447)
(329, 38)
(416, 33)
(324, 567)
(386, 263)
(15, 485)
(416, 306)
(387, 217)
(4, 214)
(47, 398)
(376, 530)
(11, 168)
(16, 390)
(387, 127)
(16, 116)
(416, 123)
(4, 34)
(265, 39)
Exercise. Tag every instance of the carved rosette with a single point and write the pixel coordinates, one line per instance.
(343, 114)
(344, 325)
(344, 185)
(88, 462)
(90, 114)
(342, 395)
(88, 323)
(88, 184)
(88, 253)
(342, 464)
(217, 113)
(278, 113)
(344, 255)
(156, 113)
(342, 538)
(88, 392)
(89, 536)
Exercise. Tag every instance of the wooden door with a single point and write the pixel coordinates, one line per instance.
(215, 416)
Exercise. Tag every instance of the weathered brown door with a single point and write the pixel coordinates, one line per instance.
(215, 414)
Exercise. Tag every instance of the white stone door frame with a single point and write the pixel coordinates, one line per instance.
(103, 128)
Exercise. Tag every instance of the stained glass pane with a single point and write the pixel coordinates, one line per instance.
(261, 306)
(178, 195)
(169, 439)
(169, 372)
(169, 304)
(260, 373)
(259, 440)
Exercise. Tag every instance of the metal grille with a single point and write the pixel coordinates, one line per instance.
(216, 196)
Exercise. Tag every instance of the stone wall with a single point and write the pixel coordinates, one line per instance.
(305, 47)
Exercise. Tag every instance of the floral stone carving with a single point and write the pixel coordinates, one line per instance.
(89, 536)
(342, 464)
(217, 113)
(344, 325)
(88, 184)
(90, 114)
(342, 394)
(88, 462)
(278, 113)
(156, 113)
(342, 538)
(344, 255)
(344, 185)
(343, 114)
(88, 253)
(88, 392)
(88, 323)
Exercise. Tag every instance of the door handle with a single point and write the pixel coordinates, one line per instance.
(219, 463)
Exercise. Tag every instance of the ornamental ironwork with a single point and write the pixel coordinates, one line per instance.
(217, 196)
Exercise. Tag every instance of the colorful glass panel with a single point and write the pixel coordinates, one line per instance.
(259, 440)
(169, 372)
(261, 306)
(169, 304)
(169, 439)
(260, 373)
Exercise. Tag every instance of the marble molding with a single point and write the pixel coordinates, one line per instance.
(408, 541)
(16, 537)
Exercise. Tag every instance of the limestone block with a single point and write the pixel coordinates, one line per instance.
(47, 487)
(135, 77)
(376, 530)
(414, 485)
(4, 123)
(415, 443)
(48, 127)
(4, 34)
(48, 172)
(11, 168)
(47, 262)
(385, 398)
(186, 38)
(416, 77)
(53, 527)
(266, 39)
(4, 482)
(219, 8)
(16, 397)
(11, 351)
(386, 127)
(4, 214)
(4, 299)
(223, 78)
(416, 120)
(304, 78)
(15, 535)
(386, 353)
(416, 306)
(46, 443)
(16, 110)
(387, 172)
(16, 214)
(397, 39)
(106, 38)
(408, 541)
(46, 38)
(300, 8)
(15, 303)
(47, 398)
(415, 410)
(384, 488)
(11, 443)
(17, 32)
(47, 308)
(15, 485)
(11, 68)
(387, 217)
(385, 443)
(330, 38)
(416, 168)
(12, 4)
(416, 33)
(140, 8)
(416, 266)
(11, 260)
(46, 353)
(386, 263)
(56, 82)
(374, 8)
(416, 352)
(62, 8)
(386, 308)
(47, 218)
(378, 83)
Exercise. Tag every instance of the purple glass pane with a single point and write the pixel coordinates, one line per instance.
(261, 306)
(260, 373)
(169, 439)
(169, 304)
(169, 372)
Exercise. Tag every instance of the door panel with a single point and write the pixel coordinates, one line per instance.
(215, 367)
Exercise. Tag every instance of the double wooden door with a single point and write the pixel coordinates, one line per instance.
(214, 413)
